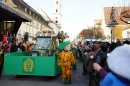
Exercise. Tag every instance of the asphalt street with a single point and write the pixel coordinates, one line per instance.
(77, 79)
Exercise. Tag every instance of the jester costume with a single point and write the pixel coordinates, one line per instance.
(75, 53)
(67, 60)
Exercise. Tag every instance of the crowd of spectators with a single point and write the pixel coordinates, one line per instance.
(10, 43)
(100, 69)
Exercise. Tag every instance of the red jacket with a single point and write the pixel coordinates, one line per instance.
(4, 39)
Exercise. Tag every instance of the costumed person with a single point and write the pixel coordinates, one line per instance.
(80, 51)
(25, 46)
(75, 53)
(28, 46)
(119, 63)
(67, 60)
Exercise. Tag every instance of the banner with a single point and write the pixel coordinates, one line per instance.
(118, 32)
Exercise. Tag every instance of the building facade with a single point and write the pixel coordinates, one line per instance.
(106, 20)
(52, 24)
(38, 22)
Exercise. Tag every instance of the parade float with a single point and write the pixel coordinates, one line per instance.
(41, 61)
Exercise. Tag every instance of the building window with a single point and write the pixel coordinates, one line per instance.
(27, 23)
(56, 17)
(56, 2)
(33, 14)
(30, 12)
(37, 26)
(56, 21)
(41, 27)
(56, 10)
(33, 24)
(36, 17)
(29, 34)
(23, 32)
(25, 9)
(30, 23)
(40, 19)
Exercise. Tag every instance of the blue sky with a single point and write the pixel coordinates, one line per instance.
(76, 14)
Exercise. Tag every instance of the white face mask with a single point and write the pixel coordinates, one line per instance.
(91, 57)
(68, 47)
(85, 53)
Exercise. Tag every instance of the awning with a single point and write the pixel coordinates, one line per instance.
(8, 13)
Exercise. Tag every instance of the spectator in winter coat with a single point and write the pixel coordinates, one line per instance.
(113, 46)
(20, 45)
(126, 42)
(14, 48)
(4, 39)
(1, 35)
(102, 58)
(118, 42)
(102, 71)
(119, 63)
(14, 39)
(9, 38)
(89, 63)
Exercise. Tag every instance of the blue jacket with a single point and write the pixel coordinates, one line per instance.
(113, 80)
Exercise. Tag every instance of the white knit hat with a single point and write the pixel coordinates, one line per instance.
(119, 61)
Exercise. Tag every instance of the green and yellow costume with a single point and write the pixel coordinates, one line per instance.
(75, 53)
(67, 60)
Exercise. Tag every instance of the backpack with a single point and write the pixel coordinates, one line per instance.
(103, 62)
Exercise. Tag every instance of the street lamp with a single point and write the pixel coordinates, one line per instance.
(112, 22)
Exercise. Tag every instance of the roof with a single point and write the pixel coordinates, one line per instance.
(22, 5)
(43, 14)
(125, 14)
(7, 13)
(84, 31)
(118, 10)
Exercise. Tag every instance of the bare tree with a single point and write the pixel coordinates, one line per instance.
(93, 32)
(98, 32)
(90, 33)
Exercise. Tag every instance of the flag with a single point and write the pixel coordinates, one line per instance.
(90, 42)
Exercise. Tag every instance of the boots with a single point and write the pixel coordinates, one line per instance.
(69, 82)
(65, 81)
